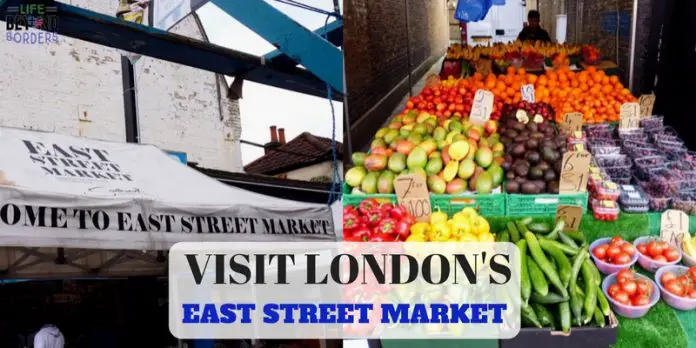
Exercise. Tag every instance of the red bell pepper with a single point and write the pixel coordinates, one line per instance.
(352, 238)
(379, 238)
(398, 212)
(349, 209)
(368, 205)
(386, 208)
(374, 217)
(402, 229)
(351, 220)
(386, 226)
(362, 233)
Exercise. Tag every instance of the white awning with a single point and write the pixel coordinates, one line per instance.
(72, 192)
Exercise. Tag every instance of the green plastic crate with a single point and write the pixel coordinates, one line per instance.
(488, 205)
(542, 204)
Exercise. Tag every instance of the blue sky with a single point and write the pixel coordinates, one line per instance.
(263, 106)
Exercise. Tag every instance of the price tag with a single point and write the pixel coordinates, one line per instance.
(574, 172)
(646, 101)
(528, 93)
(571, 215)
(674, 226)
(572, 122)
(630, 116)
(522, 116)
(412, 193)
(482, 107)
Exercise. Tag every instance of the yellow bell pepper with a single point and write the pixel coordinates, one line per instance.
(440, 232)
(468, 237)
(416, 238)
(438, 216)
(420, 228)
(460, 226)
(486, 238)
(469, 212)
(480, 225)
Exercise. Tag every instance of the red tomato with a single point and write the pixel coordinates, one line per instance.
(630, 287)
(644, 288)
(654, 249)
(600, 252)
(617, 241)
(664, 245)
(666, 277)
(613, 289)
(685, 281)
(624, 275)
(640, 301)
(628, 249)
(622, 297)
(671, 254)
(692, 273)
(675, 287)
(660, 258)
(613, 251)
(692, 293)
(642, 248)
(621, 259)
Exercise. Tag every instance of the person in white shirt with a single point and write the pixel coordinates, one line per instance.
(49, 337)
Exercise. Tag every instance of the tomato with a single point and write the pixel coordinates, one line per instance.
(692, 273)
(630, 287)
(671, 254)
(624, 275)
(664, 245)
(613, 289)
(675, 287)
(691, 293)
(654, 249)
(628, 249)
(640, 301)
(612, 252)
(617, 241)
(660, 258)
(666, 277)
(600, 252)
(621, 259)
(644, 288)
(642, 248)
(685, 281)
(622, 297)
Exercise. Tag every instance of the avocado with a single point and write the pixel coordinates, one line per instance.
(532, 144)
(510, 175)
(533, 157)
(549, 175)
(522, 170)
(536, 173)
(553, 187)
(529, 188)
(518, 150)
(512, 187)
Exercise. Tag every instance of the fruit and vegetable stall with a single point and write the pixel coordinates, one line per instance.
(597, 193)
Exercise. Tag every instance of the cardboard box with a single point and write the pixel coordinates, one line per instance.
(579, 337)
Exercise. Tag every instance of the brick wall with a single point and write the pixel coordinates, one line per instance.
(376, 55)
(75, 88)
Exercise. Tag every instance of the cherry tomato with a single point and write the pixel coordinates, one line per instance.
(644, 288)
(630, 287)
(622, 297)
(621, 259)
(675, 287)
(692, 293)
(628, 249)
(666, 277)
(692, 273)
(613, 251)
(617, 241)
(664, 245)
(660, 258)
(642, 248)
(600, 252)
(654, 249)
(671, 254)
(685, 281)
(640, 301)
(613, 289)
(624, 275)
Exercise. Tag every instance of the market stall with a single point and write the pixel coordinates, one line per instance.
(490, 155)
(73, 206)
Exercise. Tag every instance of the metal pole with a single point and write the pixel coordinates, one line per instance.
(634, 17)
(129, 101)
(408, 51)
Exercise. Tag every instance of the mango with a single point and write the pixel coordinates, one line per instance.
(375, 163)
(420, 129)
(434, 166)
(484, 157)
(423, 116)
(439, 133)
(456, 186)
(369, 183)
(436, 184)
(397, 162)
(450, 136)
(381, 132)
(484, 183)
(428, 145)
(418, 171)
(458, 150)
(418, 158)
(354, 176)
(377, 143)
(358, 158)
(450, 171)
(390, 136)
(466, 169)
(385, 182)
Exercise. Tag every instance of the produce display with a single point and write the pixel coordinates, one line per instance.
(454, 155)
(464, 226)
(659, 251)
(519, 50)
(617, 252)
(534, 153)
(373, 221)
(560, 286)
(681, 285)
(630, 290)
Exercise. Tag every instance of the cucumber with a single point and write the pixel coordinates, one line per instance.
(529, 315)
(503, 237)
(525, 283)
(526, 221)
(543, 314)
(550, 298)
(562, 263)
(539, 283)
(576, 302)
(543, 262)
(514, 233)
(564, 311)
(540, 227)
(590, 291)
(599, 317)
(577, 236)
(567, 240)
(602, 302)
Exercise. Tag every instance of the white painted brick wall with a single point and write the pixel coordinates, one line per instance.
(75, 87)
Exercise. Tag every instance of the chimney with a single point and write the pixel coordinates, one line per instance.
(281, 136)
(274, 135)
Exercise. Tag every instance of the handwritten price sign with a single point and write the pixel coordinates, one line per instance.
(646, 101)
(674, 224)
(630, 116)
(528, 93)
(482, 107)
(572, 122)
(412, 193)
(571, 216)
(575, 171)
